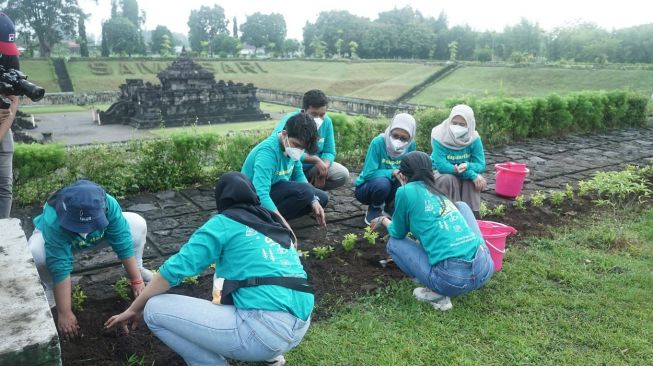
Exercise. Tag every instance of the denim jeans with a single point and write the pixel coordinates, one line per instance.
(294, 199)
(450, 277)
(377, 192)
(6, 156)
(204, 334)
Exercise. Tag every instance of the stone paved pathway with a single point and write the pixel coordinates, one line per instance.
(173, 216)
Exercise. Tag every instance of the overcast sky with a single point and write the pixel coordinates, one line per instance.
(480, 15)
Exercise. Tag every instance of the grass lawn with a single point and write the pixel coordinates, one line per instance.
(383, 80)
(560, 300)
(41, 73)
(520, 82)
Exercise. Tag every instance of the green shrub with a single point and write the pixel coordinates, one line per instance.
(36, 160)
(121, 288)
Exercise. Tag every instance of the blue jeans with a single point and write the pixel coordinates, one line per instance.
(294, 199)
(204, 334)
(377, 192)
(450, 277)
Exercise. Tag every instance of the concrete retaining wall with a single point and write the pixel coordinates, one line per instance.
(27, 332)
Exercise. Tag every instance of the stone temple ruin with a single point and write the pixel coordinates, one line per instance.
(188, 94)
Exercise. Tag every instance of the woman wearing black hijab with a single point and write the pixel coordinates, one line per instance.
(451, 258)
(264, 280)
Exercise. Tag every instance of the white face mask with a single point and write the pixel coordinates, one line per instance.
(458, 131)
(318, 122)
(294, 153)
(398, 145)
(83, 235)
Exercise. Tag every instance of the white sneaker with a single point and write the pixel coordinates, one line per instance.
(146, 274)
(277, 361)
(439, 302)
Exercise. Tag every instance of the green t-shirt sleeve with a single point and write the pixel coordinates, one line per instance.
(264, 166)
(118, 233)
(476, 164)
(439, 158)
(58, 257)
(298, 173)
(203, 248)
(400, 226)
(329, 149)
(372, 167)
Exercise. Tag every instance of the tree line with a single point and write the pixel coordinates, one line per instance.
(400, 33)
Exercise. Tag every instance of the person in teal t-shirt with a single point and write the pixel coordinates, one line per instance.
(267, 313)
(377, 183)
(275, 169)
(449, 255)
(78, 217)
(320, 168)
(458, 157)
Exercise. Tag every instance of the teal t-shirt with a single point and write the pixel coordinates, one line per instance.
(443, 233)
(240, 252)
(266, 165)
(326, 144)
(60, 243)
(444, 159)
(378, 163)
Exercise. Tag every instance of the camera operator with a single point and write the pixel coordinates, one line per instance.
(9, 60)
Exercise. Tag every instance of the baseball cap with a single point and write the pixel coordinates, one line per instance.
(81, 207)
(7, 36)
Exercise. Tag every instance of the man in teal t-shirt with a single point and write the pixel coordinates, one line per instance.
(320, 168)
(77, 217)
(275, 169)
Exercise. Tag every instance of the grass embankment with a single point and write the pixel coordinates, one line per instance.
(484, 82)
(569, 299)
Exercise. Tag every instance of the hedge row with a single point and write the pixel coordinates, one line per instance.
(192, 158)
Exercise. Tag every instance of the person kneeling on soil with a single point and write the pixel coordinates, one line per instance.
(377, 184)
(265, 305)
(450, 256)
(320, 169)
(274, 167)
(459, 158)
(75, 218)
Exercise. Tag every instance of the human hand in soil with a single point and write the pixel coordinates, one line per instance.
(382, 220)
(123, 320)
(67, 324)
(480, 183)
(318, 211)
(460, 168)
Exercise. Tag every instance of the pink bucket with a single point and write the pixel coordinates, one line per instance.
(495, 235)
(510, 179)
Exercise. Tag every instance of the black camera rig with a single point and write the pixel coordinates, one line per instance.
(14, 82)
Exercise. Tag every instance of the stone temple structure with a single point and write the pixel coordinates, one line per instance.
(188, 94)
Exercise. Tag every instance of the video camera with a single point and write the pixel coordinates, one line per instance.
(14, 82)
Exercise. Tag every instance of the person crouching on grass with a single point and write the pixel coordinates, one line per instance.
(449, 255)
(254, 252)
(75, 218)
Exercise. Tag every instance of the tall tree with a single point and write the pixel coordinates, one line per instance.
(51, 20)
(106, 52)
(130, 11)
(83, 42)
(121, 35)
(205, 23)
(235, 28)
(158, 34)
(264, 30)
(224, 45)
(333, 25)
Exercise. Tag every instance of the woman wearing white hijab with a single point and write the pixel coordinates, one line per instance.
(377, 183)
(458, 157)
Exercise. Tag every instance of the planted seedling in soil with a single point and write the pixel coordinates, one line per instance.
(520, 202)
(121, 288)
(537, 199)
(191, 280)
(370, 235)
(483, 211)
(499, 210)
(349, 242)
(78, 298)
(322, 251)
(569, 192)
(557, 198)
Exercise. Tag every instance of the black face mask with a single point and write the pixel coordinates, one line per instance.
(236, 198)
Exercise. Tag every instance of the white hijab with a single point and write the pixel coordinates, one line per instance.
(405, 122)
(442, 132)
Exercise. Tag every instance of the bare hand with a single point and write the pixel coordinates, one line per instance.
(67, 325)
(378, 221)
(398, 176)
(460, 168)
(137, 289)
(480, 183)
(123, 320)
(322, 171)
(320, 217)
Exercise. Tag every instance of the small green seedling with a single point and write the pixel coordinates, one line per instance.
(349, 242)
(191, 280)
(557, 198)
(212, 266)
(499, 210)
(322, 251)
(121, 288)
(303, 253)
(78, 298)
(569, 191)
(134, 360)
(537, 199)
(584, 188)
(370, 235)
(483, 211)
(520, 202)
